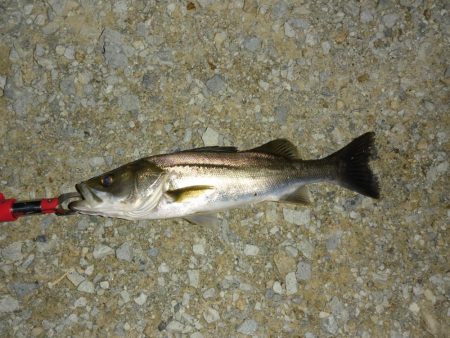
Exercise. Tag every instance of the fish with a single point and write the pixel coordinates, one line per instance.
(196, 184)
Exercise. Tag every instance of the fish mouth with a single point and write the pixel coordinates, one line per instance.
(88, 199)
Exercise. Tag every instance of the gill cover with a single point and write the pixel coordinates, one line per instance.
(129, 191)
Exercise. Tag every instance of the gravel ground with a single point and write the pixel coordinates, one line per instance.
(88, 85)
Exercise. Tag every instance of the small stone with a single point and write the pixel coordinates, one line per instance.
(279, 9)
(284, 263)
(434, 172)
(333, 241)
(199, 249)
(23, 289)
(329, 324)
(297, 217)
(389, 20)
(291, 283)
(75, 278)
(209, 293)
(2, 81)
(211, 315)
(175, 326)
(86, 286)
(163, 268)
(289, 31)
(141, 299)
(89, 270)
(252, 44)
(13, 252)
(303, 271)
(125, 252)
(326, 47)
(104, 284)
(8, 304)
(430, 296)
(414, 308)
(431, 323)
(125, 296)
(196, 335)
(194, 278)
(96, 161)
(69, 53)
(60, 50)
(129, 102)
(210, 137)
(153, 252)
(219, 38)
(101, 251)
(216, 84)
(310, 335)
(341, 36)
(80, 302)
(306, 249)
(248, 327)
(366, 16)
(251, 250)
(277, 288)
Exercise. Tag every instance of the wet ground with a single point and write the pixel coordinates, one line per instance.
(88, 85)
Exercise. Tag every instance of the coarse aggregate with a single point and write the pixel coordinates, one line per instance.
(86, 86)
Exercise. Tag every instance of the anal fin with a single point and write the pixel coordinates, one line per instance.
(299, 196)
(203, 219)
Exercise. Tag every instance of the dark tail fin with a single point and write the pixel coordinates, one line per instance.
(353, 170)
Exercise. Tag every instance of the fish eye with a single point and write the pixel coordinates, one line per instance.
(106, 180)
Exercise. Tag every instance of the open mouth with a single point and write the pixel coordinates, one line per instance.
(87, 198)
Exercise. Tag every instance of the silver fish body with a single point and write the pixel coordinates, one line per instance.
(195, 183)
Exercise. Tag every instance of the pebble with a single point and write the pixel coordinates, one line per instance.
(13, 252)
(252, 44)
(153, 252)
(284, 262)
(125, 252)
(194, 278)
(303, 271)
(210, 137)
(8, 304)
(141, 299)
(326, 47)
(211, 315)
(209, 293)
(96, 161)
(310, 335)
(2, 81)
(219, 38)
(333, 241)
(163, 268)
(199, 249)
(329, 324)
(104, 284)
(129, 102)
(297, 217)
(251, 250)
(80, 302)
(216, 84)
(86, 286)
(291, 283)
(306, 248)
(75, 278)
(23, 289)
(248, 327)
(414, 308)
(431, 323)
(101, 251)
(366, 16)
(389, 20)
(277, 288)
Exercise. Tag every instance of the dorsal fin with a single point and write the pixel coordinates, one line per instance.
(213, 149)
(279, 147)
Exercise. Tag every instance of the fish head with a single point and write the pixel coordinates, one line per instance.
(119, 192)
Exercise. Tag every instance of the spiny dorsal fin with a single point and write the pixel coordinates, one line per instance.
(203, 219)
(213, 149)
(279, 147)
(299, 196)
(180, 195)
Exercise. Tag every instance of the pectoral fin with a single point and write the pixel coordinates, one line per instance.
(183, 194)
(299, 196)
(203, 219)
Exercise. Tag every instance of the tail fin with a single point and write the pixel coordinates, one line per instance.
(353, 170)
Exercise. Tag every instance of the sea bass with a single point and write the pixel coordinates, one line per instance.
(194, 184)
